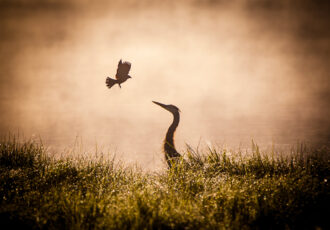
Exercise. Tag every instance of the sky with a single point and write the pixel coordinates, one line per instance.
(238, 70)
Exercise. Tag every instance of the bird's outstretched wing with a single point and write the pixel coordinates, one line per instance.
(123, 68)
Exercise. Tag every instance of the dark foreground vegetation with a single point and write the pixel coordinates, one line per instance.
(213, 190)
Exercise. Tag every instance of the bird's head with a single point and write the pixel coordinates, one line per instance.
(171, 108)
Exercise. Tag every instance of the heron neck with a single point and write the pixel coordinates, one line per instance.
(171, 130)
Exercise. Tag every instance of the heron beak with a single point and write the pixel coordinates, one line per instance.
(160, 104)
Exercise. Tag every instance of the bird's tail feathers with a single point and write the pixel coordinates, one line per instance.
(110, 82)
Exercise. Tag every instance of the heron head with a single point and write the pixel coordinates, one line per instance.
(171, 108)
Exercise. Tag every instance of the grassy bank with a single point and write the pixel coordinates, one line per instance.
(210, 190)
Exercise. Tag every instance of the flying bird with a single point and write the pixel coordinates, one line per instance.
(169, 149)
(121, 75)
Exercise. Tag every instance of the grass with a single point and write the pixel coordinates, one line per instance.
(209, 190)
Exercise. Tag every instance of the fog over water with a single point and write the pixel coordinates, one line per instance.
(237, 71)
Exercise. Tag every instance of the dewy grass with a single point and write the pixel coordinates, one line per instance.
(208, 190)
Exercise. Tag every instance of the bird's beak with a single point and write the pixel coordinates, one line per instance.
(160, 104)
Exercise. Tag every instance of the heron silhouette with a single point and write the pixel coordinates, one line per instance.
(169, 149)
(121, 75)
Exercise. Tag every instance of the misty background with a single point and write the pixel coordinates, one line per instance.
(240, 70)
